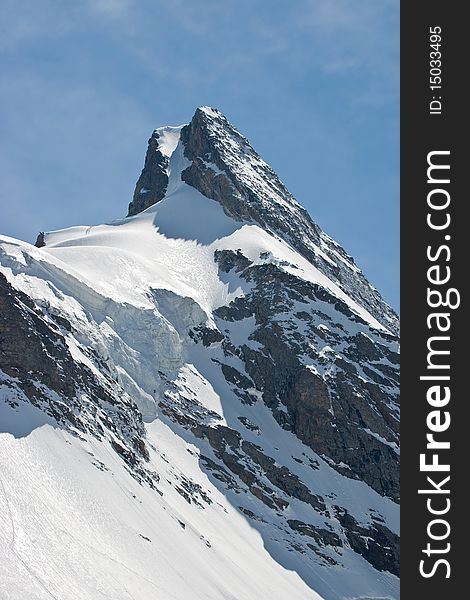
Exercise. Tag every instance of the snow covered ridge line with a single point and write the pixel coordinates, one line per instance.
(223, 166)
(210, 155)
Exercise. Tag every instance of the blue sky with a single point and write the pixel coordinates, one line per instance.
(314, 85)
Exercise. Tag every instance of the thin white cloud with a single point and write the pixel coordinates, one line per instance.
(115, 9)
(35, 20)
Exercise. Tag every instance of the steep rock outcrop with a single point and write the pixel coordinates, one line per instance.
(153, 181)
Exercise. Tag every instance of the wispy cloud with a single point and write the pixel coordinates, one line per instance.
(33, 21)
(114, 9)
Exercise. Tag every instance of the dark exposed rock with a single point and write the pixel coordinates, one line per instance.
(249, 513)
(245, 397)
(249, 425)
(206, 335)
(62, 321)
(192, 492)
(34, 353)
(228, 260)
(332, 416)
(153, 181)
(376, 377)
(377, 544)
(178, 417)
(219, 472)
(393, 357)
(362, 347)
(40, 242)
(390, 372)
(127, 455)
(281, 477)
(238, 379)
(323, 537)
(222, 438)
(271, 500)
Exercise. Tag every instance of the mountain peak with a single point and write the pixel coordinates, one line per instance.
(210, 112)
(220, 163)
(153, 181)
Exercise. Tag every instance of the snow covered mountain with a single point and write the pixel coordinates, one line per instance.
(199, 400)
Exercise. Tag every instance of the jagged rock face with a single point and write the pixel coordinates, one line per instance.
(40, 243)
(258, 194)
(324, 397)
(376, 543)
(225, 167)
(153, 181)
(36, 364)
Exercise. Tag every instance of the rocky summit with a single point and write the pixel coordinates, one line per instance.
(199, 400)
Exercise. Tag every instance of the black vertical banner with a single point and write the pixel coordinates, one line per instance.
(435, 328)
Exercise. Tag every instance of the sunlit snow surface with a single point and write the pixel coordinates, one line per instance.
(73, 523)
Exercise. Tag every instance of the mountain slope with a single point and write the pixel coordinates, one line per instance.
(201, 398)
